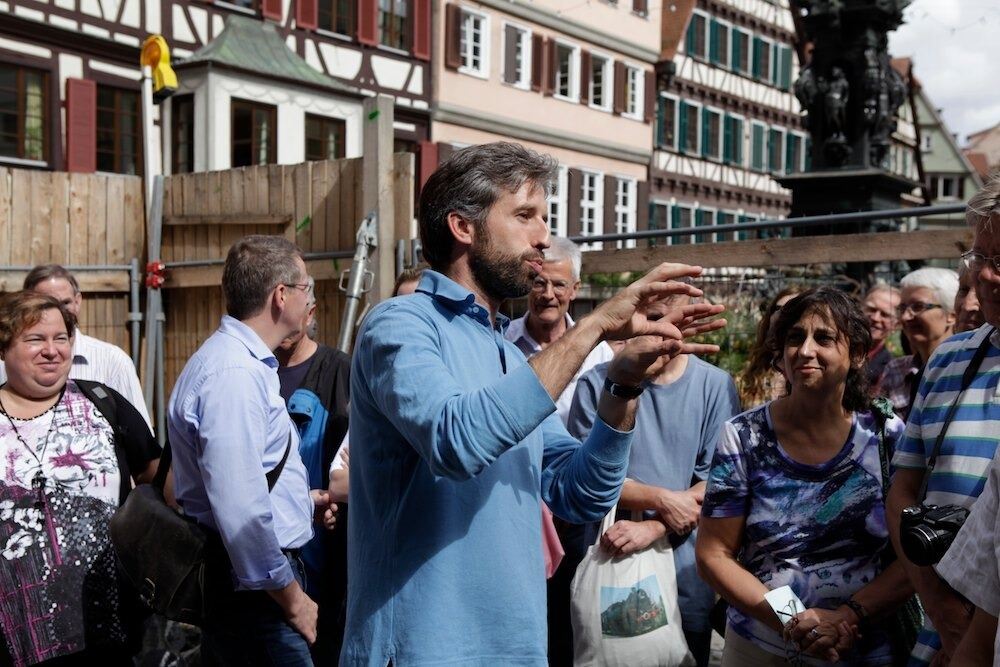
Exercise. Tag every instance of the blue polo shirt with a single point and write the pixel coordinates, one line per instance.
(454, 444)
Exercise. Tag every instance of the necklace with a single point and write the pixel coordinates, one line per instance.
(38, 481)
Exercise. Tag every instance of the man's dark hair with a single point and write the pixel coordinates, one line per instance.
(43, 272)
(469, 183)
(844, 314)
(254, 266)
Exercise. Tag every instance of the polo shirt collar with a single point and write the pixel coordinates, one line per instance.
(458, 299)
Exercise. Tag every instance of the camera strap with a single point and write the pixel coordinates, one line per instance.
(967, 377)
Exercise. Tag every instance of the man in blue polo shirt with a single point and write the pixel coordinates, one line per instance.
(460, 440)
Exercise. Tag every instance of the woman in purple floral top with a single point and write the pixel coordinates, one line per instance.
(795, 497)
(63, 473)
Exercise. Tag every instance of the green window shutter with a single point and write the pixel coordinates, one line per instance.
(713, 42)
(735, 41)
(757, 148)
(791, 147)
(738, 141)
(808, 150)
(727, 140)
(758, 53)
(689, 39)
(775, 64)
(682, 125)
(786, 68)
(705, 152)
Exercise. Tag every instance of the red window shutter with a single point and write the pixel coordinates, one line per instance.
(574, 193)
(537, 62)
(271, 9)
(81, 125)
(551, 66)
(584, 76)
(368, 22)
(427, 161)
(422, 29)
(453, 37)
(650, 96)
(642, 207)
(619, 105)
(307, 14)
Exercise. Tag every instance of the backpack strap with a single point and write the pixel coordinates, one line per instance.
(272, 477)
(104, 400)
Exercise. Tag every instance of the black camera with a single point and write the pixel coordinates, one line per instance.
(926, 531)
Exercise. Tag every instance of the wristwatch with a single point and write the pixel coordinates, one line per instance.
(622, 390)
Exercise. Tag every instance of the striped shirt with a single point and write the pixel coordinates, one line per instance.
(108, 364)
(971, 441)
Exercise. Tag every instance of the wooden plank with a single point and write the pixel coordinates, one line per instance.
(302, 218)
(116, 220)
(97, 221)
(79, 207)
(213, 207)
(59, 239)
(317, 230)
(204, 276)
(20, 241)
(40, 218)
(402, 193)
(201, 231)
(288, 199)
(135, 219)
(930, 244)
(90, 281)
(350, 185)
(6, 215)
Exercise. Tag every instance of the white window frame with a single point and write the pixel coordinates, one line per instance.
(767, 78)
(801, 157)
(483, 71)
(681, 240)
(560, 201)
(712, 236)
(574, 72)
(666, 206)
(524, 40)
(626, 216)
(926, 142)
(677, 110)
(735, 219)
(697, 115)
(727, 56)
(722, 132)
(594, 207)
(764, 165)
(706, 19)
(631, 69)
(609, 83)
(781, 151)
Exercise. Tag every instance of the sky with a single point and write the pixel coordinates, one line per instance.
(953, 44)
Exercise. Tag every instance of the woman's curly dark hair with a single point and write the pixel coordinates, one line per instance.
(758, 369)
(844, 313)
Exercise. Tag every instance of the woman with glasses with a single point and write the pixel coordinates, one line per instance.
(64, 470)
(927, 313)
(795, 498)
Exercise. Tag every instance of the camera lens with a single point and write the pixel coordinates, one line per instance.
(923, 545)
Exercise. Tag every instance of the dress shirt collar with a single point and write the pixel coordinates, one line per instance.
(453, 296)
(519, 332)
(241, 332)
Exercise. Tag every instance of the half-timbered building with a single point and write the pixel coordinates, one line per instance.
(727, 120)
(284, 86)
(572, 79)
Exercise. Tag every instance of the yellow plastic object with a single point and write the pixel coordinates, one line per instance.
(156, 55)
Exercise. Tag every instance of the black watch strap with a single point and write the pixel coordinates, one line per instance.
(621, 390)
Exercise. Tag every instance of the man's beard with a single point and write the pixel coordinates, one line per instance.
(499, 275)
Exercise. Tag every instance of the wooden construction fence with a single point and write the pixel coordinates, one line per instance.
(316, 204)
(75, 220)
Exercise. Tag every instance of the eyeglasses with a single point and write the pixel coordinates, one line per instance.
(305, 287)
(559, 287)
(975, 261)
(916, 307)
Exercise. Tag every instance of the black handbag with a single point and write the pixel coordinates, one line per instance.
(169, 557)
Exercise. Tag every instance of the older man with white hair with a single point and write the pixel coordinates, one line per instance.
(548, 316)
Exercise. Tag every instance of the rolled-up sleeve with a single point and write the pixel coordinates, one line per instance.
(971, 564)
(232, 434)
(458, 432)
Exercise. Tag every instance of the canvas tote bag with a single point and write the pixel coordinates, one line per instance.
(624, 610)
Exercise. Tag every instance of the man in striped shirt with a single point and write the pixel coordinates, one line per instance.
(971, 439)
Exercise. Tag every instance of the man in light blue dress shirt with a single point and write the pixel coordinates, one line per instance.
(455, 441)
(228, 428)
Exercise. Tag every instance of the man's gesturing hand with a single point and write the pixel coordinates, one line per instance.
(625, 315)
